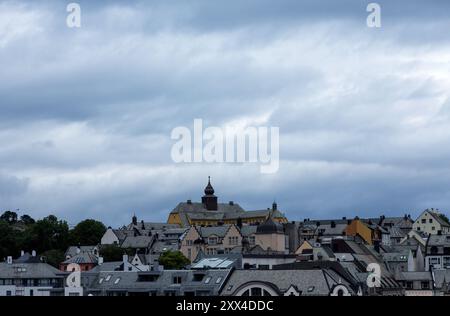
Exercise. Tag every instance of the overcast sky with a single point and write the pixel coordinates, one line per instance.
(86, 114)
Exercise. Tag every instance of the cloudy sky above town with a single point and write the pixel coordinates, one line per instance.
(86, 114)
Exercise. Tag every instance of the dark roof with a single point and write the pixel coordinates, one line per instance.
(270, 227)
(28, 271)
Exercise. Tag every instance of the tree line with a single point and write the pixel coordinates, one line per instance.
(49, 237)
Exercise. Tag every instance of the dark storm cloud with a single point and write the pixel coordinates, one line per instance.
(86, 114)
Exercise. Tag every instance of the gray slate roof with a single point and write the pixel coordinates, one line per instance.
(129, 281)
(28, 270)
(310, 282)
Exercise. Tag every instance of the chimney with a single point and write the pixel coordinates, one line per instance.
(125, 259)
(9, 260)
(189, 202)
(142, 225)
(78, 250)
(22, 253)
(231, 203)
(344, 218)
(33, 253)
(333, 224)
(100, 261)
(239, 223)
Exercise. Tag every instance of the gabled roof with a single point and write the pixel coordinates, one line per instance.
(137, 242)
(82, 258)
(73, 250)
(219, 231)
(309, 282)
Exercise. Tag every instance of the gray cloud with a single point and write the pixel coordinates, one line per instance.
(86, 114)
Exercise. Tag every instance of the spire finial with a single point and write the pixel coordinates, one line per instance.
(209, 190)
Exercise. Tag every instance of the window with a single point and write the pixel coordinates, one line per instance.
(212, 240)
(256, 291)
(234, 240)
(251, 240)
(219, 279)
(433, 228)
(208, 279)
(434, 260)
(177, 280)
(8, 293)
(430, 220)
(198, 277)
(100, 281)
(424, 221)
(189, 242)
(409, 285)
(117, 281)
(108, 277)
(425, 285)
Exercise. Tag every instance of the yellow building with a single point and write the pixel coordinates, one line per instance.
(359, 228)
(209, 212)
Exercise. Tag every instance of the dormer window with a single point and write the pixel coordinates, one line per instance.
(212, 240)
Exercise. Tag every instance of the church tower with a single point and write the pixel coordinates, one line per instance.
(209, 200)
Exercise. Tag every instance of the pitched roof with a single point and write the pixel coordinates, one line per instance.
(28, 271)
(137, 241)
(219, 231)
(82, 258)
(73, 250)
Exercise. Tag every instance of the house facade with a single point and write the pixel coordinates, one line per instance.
(431, 222)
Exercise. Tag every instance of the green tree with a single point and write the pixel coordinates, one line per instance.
(445, 218)
(87, 233)
(8, 241)
(53, 257)
(27, 219)
(173, 260)
(113, 252)
(47, 234)
(9, 217)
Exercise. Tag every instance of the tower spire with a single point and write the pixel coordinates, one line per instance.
(209, 200)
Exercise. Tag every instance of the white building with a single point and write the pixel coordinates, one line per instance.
(28, 276)
(431, 222)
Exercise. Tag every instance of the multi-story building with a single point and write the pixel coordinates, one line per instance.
(432, 222)
(437, 253)
(209, 212)
(29, 276)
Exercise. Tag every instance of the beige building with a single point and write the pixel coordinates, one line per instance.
(216, 240)
(431, 222)
(270, 236)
